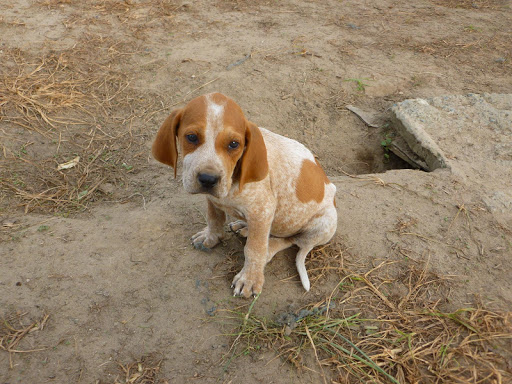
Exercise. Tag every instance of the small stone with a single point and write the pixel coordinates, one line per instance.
(107, 188)
(8, 223)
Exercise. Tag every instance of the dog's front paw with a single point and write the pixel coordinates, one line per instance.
(204, 240)
(248, 284)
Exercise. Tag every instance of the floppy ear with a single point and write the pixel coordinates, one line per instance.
(164, 147)
(254, 164)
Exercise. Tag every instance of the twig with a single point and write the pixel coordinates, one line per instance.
(196, 89)
(316, 354)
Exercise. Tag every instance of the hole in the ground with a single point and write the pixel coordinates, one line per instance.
(355, 146)
(374, 160)
(375, 155)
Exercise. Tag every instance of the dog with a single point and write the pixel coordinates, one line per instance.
(272, 185)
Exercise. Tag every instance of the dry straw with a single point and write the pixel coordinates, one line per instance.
(141, 371)
(384, 337)
(77, 101)
(68, 104)
(13, 331)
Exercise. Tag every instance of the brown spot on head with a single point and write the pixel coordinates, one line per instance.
(189, 120)
(247, 161)
(229, 146)
(311, 182)
(193, 122)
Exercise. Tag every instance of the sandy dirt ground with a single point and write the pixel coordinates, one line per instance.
(98, 280)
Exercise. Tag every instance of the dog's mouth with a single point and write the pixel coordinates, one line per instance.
(206, 191)
(215, 191)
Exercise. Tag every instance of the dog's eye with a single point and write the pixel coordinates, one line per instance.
(192, 138)
(233, 145)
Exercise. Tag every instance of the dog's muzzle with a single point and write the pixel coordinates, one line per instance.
(207, 181)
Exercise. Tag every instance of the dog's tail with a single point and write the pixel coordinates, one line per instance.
(301, 267)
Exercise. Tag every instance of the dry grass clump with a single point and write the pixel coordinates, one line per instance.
(378, 329)
(136, 16)
(60, 107)
(469, 42)
(471, 4)
(32, 92)
(13, 331)
(323, 260)
(141, 371)
(78, 102)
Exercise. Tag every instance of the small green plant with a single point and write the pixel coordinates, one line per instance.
(405, 336)
(361, 86)
(472, 28)
(22, 151)
(346, 285)
(444, 351)
(83, 193)
(43, 228)
(417, 81)
(18, 181)
(127, 167)
(386, 145)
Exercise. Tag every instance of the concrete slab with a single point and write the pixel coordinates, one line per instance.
(469, 134)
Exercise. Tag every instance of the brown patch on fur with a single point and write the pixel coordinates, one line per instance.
(311, 182)
(195, 112)
(334, 202)
(193, 121)
(229, 156)
(326, 179)
(219, 98)
(233, 115)
(248, 162)
(181, 122)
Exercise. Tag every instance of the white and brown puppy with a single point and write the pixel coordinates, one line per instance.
(272, 185)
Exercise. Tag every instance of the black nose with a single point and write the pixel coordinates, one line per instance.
(207, 181)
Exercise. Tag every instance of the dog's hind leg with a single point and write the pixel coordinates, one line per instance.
(277, 244)
(318, 232)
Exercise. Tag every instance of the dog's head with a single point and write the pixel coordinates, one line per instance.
(219, 146)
